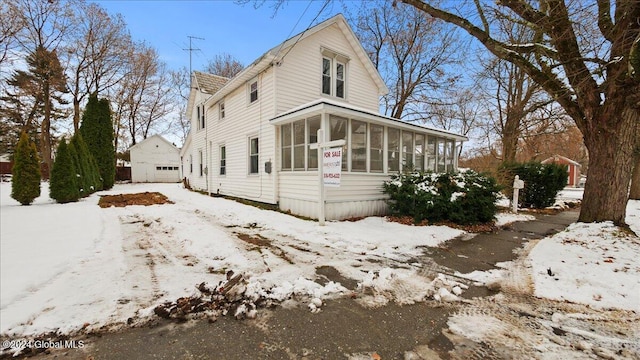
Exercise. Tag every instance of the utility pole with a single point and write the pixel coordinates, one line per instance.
(191, 49)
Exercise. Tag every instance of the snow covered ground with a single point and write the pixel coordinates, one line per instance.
(77, 266)
(72, 266)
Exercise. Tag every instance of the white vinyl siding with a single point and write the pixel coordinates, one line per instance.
(300, 80)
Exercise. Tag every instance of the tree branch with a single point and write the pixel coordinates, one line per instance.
(549, 81)
(604, 19)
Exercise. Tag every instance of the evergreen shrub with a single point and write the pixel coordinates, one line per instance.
(542, 182)
(463, 198)
(63, 183)
(25, 179)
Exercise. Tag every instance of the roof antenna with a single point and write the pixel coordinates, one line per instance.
(191, 49)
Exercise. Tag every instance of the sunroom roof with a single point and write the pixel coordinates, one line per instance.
(340, 109)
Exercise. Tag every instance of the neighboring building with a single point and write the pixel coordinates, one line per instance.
(5, 164)
(155, 160)
(573, 167)
(253, 137)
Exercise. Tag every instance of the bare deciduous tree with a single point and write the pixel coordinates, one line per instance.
(11, 24)
(224, 65)
(180, 87)
(95, 54)
(411, 51)
(595, 79)
(142, 98)
(46, 24)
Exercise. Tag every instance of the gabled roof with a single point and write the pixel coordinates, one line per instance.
(154, 136)
(275, 54)
(208, 83)
(560, 159)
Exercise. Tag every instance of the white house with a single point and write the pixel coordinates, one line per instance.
(155, 159)
(254, 136)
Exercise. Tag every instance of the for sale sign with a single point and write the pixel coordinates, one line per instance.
(332, 166)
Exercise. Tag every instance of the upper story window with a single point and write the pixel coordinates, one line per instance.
(221, 111)
(253, 91)
(334, 77)
(200, 116)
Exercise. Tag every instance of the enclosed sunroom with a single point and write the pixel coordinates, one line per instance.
(375, 147)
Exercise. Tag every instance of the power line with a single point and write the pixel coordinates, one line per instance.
(191, 49)
(305, 30)
(294, 27)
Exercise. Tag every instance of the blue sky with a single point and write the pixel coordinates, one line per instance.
(226, 27)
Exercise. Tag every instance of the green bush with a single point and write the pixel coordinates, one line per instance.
(463, 198)
(63, 184)
(97, 132)
(542, 182)
(25, 180)
(90, 181)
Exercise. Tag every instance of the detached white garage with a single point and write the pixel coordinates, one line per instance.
(155, 160)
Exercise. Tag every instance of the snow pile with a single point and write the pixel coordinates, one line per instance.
(504, 218)
(594, 264)
(406, 287)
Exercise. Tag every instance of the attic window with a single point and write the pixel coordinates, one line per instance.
(334, 68)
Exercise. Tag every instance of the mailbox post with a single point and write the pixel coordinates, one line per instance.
(517, 185)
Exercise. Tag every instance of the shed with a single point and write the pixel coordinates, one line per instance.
(155, 159)
(573, 167)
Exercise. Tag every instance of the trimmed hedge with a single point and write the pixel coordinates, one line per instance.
(463, 198)
(542, 182)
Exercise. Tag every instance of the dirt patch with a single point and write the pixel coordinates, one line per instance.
(145, 198)
(254, 240)
(261, 243)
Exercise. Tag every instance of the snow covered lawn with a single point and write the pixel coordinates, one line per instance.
(73, 266)
(77, 266)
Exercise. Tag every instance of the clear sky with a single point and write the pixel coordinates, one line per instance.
(226, 27)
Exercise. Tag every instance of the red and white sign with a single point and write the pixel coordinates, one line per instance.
(331, 166)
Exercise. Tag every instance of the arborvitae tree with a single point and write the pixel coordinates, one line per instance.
(77, 164)
(89, 172)
(25, 182)
(97, 131)
(63, 183)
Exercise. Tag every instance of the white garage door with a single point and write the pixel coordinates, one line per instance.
(167, 173)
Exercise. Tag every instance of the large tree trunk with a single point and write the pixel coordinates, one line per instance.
(76, 114)
(45, 130)
(610, 163)
(510, 136)
(634, 194)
